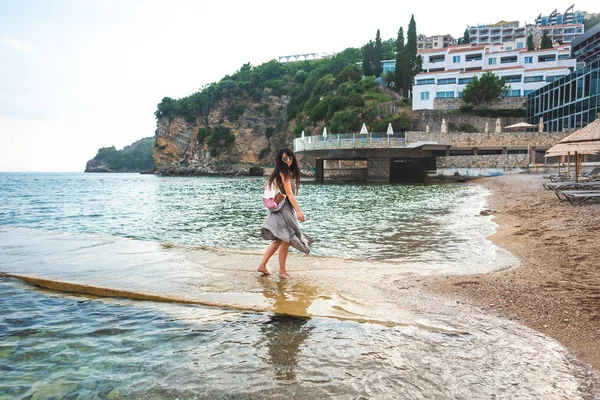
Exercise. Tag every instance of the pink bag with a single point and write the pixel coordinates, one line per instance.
(273, 199)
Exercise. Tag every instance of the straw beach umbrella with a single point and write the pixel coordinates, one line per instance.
(584, 141)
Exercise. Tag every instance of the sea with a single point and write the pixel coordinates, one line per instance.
(135, 232)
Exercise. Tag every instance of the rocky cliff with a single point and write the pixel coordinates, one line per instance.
(189, 147)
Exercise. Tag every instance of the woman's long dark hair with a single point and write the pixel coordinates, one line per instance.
(293, 172)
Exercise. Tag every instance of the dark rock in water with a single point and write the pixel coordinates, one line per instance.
(210, 170)
(486, 212)
(256, 171)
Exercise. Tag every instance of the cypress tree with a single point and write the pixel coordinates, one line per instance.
(399, 72)
(530, 45)
(546, 42)
(466, 37)
(377, 55)
(413, 61)
(368, 58)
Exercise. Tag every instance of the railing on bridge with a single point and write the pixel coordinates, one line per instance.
(350, 141)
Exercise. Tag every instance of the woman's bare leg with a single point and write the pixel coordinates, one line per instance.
(283, 253)
(269, 251)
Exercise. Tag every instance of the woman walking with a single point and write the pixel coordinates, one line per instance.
(281, 226)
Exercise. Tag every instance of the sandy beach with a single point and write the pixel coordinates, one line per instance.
(556, 288)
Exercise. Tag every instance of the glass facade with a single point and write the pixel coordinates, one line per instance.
(569, 102)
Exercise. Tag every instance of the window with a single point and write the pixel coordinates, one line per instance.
(492, 61)
(473, 57)
(446, 81)
(435, 59)
(526, 92)
(509, 59)
(553, 78)
(509, 48)
(460, 95)
(514, 93)
(445, 95)
(563, 56)
(512, 78)
(455, 59)
(424, 95)
(464, 81)
(520, 45)
(529, 60)
(539, 78)
(426, 81)
(546, 58)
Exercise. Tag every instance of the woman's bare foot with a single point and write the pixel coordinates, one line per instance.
(263, 270)
(285, 275)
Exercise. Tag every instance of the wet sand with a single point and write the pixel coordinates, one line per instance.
(556, 288)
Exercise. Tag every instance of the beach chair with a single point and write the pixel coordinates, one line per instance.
(581, 196)
(558, 186)
(564, 194)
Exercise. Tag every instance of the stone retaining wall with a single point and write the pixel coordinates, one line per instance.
(500, 161)
(503, 103)
(498, 140)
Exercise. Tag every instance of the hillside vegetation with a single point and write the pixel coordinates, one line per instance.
(330, 91)
(133, 158)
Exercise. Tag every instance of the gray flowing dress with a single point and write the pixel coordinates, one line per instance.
(282, 225)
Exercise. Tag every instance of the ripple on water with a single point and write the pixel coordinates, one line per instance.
(406, 223)
(135, 349)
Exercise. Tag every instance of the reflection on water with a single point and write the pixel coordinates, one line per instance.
(283, 337)
(285, 334)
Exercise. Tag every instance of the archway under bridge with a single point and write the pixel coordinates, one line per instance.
(374, 169)
(410, 170)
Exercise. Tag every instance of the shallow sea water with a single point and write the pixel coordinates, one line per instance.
(60, 345)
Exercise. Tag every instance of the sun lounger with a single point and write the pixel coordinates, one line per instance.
(572, 185)
(580, 197)
(566, 193)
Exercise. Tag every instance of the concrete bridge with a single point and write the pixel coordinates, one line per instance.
(413, 156)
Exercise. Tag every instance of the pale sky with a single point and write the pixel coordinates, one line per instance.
(77, 75)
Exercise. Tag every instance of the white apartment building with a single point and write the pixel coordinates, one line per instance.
(562, 33)
(435, 42)
(446, 72)
(507, 32)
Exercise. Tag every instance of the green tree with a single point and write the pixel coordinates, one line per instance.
(388, 49)
(530, 45)
(399, 71)
(466, 38)
(367, 65)
(484, 89)
(377, 55)
(546, 41)
(411, 61)
(590, 23)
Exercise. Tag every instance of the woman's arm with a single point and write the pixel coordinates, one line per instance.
(290, 195)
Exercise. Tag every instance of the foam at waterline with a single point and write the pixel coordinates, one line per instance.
(117, 267)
